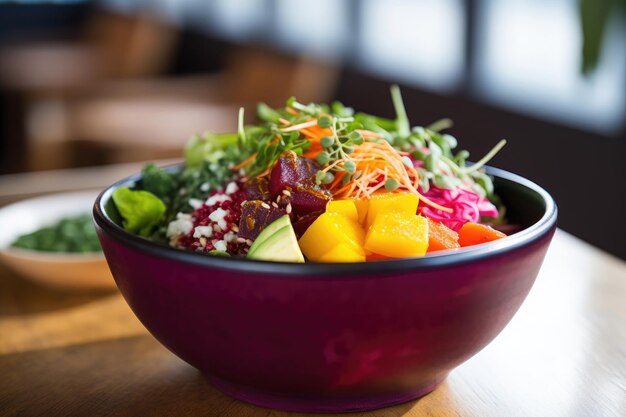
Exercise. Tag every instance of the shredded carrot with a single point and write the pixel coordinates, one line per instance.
(264, 173)
(313, 150)
(474, 233)
(251, 157)
(310, 123)
(309, 133)
(378, 162)
(244, 162)
(369, 134)
(316, 132)
(375, 158)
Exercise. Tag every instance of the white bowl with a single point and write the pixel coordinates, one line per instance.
(66, 270)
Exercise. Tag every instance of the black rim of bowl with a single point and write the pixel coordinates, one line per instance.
(435, 260)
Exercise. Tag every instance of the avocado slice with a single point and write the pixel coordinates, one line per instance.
(216, 252)
(269, 230)
(279, 245)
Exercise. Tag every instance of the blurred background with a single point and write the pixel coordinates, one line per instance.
(86, 83)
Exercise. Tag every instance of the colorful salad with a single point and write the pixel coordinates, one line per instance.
(319, 183)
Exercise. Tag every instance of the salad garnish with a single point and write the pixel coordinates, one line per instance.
(296, 161)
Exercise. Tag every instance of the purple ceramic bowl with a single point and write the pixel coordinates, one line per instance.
(331, 337)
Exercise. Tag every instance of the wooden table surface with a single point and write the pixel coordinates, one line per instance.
(85, 354)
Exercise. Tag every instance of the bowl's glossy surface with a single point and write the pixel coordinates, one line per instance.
(331, 337)
(69, 271)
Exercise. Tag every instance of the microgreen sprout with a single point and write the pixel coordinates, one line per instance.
(240, 130)
(391, 184)
(324, 122)
(486, 158)
(428, 149)
(326, 142)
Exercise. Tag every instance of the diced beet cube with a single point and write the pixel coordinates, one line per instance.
(255, 216)
(303, 223)
(308, 168)
(290, 170)
(257, 189)
(309, 198)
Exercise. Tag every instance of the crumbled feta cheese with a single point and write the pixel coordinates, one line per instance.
(201, 231)
(220, 245)
(230, 237)
(181, 226)
(218, 217)
(232, 188)
(217, 198)
(204, 187)
(195, 203)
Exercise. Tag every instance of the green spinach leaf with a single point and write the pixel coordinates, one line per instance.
(141, 210)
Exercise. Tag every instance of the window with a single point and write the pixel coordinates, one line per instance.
(319, 27)
(525, 54)
(529, 59)
(416, 41)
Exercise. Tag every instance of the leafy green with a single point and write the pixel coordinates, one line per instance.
(72, 235)
(261, 145)
(439, 165)
(209, 159)
(208, 147)
(214, 159)
(140, 209)
(157, 181)
(267, 114)
(197, 182)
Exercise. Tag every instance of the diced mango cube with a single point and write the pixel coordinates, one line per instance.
(387, 202)
(362, 205)
(398, 235)
(342, 253)
(370, 256)
(345, 207)
(328, 231)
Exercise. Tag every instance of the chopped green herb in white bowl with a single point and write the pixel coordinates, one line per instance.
(51, 240)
